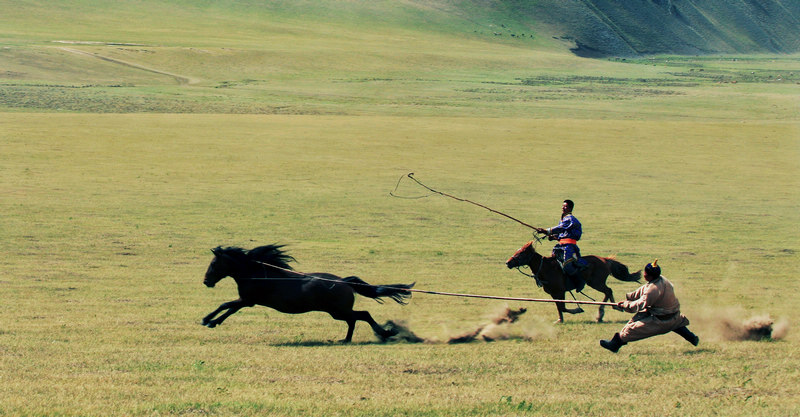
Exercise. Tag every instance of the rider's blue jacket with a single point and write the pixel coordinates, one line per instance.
(569, 228)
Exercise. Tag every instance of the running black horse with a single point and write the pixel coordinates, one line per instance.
(549, 276)
(264, 277)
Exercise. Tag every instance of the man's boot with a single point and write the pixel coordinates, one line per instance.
(614, 344)
(688, 335)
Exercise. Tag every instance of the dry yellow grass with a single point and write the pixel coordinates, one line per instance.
(108, 221)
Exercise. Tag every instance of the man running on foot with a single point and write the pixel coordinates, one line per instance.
(657, 312)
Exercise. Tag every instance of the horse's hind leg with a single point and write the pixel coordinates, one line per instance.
(351, 326)
(354, 316)
(382, 333)
(350, 319)
(609, 297)
(601, 312)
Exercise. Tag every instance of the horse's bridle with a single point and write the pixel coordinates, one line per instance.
(533, 275)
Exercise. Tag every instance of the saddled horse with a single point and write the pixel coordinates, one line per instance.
(264, 277)
(548, 273)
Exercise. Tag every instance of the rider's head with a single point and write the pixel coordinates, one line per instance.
(652, 271)
(567, 206)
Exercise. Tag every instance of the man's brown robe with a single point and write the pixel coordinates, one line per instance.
(657, 311)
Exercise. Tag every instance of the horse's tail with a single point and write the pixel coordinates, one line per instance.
(620, 271)
(397, 292)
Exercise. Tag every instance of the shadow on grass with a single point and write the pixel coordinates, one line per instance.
(568, 322)
(699, 351)
(317, 343)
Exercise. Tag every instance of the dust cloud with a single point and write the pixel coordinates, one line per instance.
(727, 324)
(756, 328)
(502, 326)
(402, 333)
(497, 329)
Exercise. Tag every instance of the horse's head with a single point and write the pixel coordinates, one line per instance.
(522, 257)
(220, 267)
(242, 263)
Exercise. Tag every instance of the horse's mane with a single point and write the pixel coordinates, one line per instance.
(268, 254)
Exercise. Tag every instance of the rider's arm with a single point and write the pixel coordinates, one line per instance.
(563, 226)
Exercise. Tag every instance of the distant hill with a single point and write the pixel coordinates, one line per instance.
(590, 28)
(599, 28)
(684, 27)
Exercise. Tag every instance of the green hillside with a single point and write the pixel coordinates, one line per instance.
(686, 27)
(606, 27)
(350, 57)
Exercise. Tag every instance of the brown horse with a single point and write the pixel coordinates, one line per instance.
(263, 276)
(549, 276)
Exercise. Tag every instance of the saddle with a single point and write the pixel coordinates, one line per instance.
(573, 272)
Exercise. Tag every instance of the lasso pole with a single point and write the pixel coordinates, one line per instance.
(493, 297)
(451, 294)
(411, 175)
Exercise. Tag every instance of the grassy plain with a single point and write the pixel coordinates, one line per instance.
(119, 174)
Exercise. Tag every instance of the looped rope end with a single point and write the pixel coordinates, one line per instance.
(394, 194)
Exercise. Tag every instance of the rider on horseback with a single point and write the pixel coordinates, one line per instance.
(568, 233)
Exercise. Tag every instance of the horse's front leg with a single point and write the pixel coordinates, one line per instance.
(208, 318)
(562, 308)
(231, 306)
(577, 310)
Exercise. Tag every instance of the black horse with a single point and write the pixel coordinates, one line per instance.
(264, 277)
(549, 276)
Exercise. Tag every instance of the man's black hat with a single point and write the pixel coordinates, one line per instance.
(652, 269)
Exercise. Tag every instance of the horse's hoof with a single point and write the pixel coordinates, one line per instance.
(558, 321)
